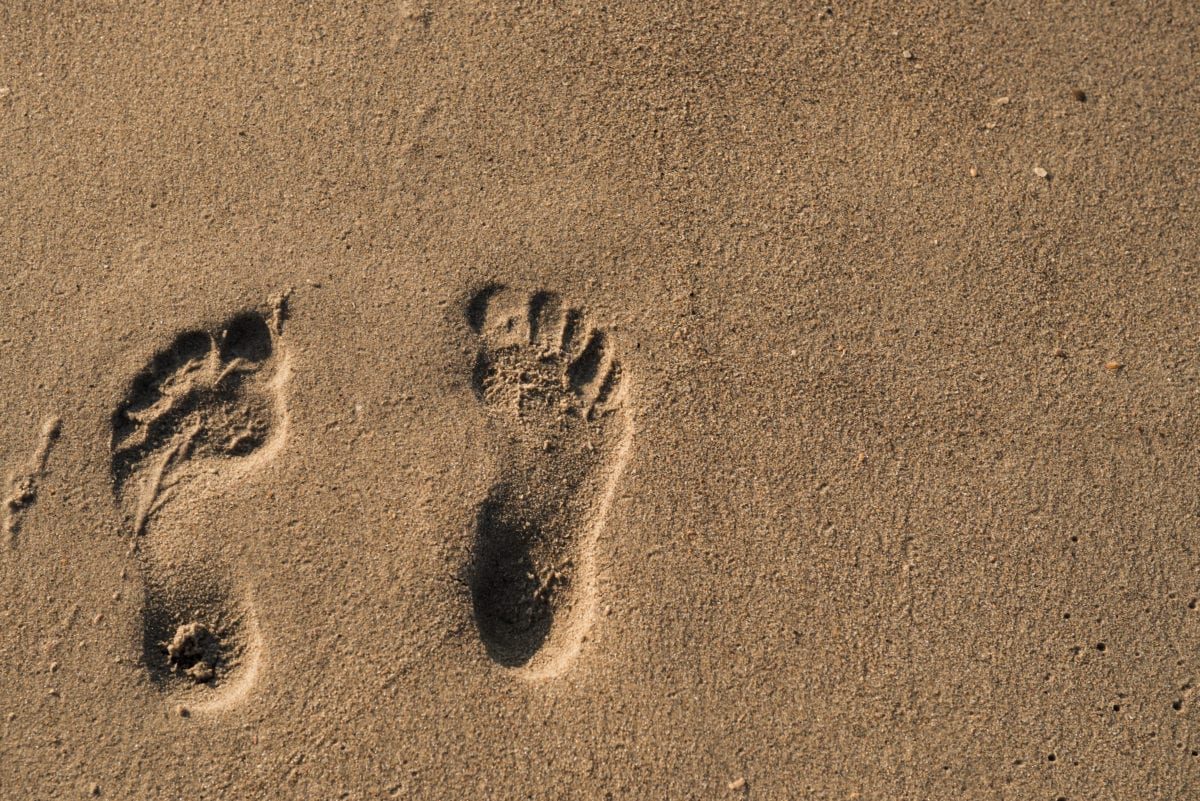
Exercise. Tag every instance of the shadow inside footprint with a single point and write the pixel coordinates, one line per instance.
(180, 651)
(514, 604)
(247, 337)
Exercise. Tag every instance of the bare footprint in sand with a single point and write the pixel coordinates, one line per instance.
(204, 411)
(555, 391)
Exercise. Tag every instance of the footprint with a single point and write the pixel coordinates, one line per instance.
(202, 412)
(553, 388)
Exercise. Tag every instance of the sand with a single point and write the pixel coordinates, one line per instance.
(579, 400)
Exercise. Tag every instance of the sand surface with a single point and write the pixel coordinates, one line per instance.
(577, 400)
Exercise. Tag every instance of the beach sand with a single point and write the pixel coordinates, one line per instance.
(577, 400)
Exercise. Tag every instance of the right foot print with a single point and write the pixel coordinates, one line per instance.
(204, 409)
(552, 386)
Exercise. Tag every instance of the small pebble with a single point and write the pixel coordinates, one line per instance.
(1000, 101)
(737, 784)
(1113, 366)
(908, 55)
(1079, 95)
(94, 789)
(1041, 172)
(974, 173)
(182, 711)
(4, 90)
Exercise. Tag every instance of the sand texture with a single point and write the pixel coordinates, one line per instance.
(544, 400)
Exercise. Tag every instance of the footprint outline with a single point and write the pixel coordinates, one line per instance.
(176, 427)
(542, 371)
